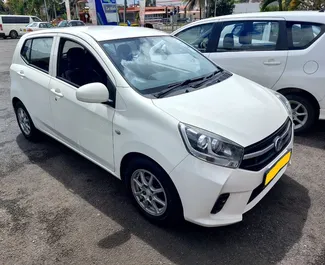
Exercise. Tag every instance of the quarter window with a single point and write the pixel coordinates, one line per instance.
(302, 34)
(37, 52)
(197, 36)
(249, 35)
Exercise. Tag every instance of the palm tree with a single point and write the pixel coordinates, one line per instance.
(191, 4)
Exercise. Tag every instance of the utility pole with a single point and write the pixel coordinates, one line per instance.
(47, 13)
(124, 13)
(215, 7)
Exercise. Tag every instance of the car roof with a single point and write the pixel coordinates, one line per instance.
(101, 33)
(289, 15)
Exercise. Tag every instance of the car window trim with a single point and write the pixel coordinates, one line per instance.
(32, 65)
(290, 23)
(280, 45)
(112, 102)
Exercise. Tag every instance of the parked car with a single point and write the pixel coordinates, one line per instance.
(279, 50)
(35, 26)
(10, 25)
(188, 138)
(71, 23)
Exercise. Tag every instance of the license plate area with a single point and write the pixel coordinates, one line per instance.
(274, 170)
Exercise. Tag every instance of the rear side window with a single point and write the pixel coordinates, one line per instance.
(15, 20)
(37, 52)
(302, 34)
(249, 36)
(197, 36)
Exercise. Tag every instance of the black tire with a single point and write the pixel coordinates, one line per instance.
(311, 110)
(34, 133)
(173, 214)
(13, 34)
(4, 37)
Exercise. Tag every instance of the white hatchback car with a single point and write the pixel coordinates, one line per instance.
(283, 51)
(35, 26)
(189, 139)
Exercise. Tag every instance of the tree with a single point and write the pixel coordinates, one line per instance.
(3, 7)
(24, 7)
(284, 5)
(191, 4)
(220, 7)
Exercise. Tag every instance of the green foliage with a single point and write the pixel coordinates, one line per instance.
(223, 7)
(3, 7)
(270, 8)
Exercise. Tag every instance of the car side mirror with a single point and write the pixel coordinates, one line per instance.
(93, 93)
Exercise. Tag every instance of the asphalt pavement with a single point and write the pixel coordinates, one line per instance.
(58, 208)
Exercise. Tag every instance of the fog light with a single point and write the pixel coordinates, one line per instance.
(221, 201)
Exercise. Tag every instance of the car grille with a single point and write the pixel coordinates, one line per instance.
(260, 154)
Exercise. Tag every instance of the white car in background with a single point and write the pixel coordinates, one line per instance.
(10, 25)
(283, 51)
(189, 139)
(36, 26)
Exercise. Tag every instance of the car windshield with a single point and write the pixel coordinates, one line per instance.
(152, 64)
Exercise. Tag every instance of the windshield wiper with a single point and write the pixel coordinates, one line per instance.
(207, 78)
(173, 87)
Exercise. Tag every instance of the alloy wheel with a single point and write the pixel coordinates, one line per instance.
(148, 192)
(299, 114)
(24, 121)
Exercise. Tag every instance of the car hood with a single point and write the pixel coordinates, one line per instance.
(235, 108)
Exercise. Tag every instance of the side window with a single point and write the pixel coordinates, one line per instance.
(37, 52)
(302, 34)
(25, 51)
(41, 53)
(249, 36)
(42, 25)
(73, 24)
(78, 66)
(197, 36)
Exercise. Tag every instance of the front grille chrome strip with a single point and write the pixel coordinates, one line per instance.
(265, 150)
(258, 153)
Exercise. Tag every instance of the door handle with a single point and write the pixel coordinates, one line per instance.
(271, 62)
(21, 73)
(57, 92)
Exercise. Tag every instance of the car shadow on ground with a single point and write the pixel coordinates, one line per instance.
(314, 138)
(264, 237)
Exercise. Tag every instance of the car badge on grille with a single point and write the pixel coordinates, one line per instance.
(278, 143)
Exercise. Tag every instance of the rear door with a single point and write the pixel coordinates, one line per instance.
(255, 48)
(30, 75)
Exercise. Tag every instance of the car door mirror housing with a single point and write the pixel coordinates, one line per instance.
(93, 93)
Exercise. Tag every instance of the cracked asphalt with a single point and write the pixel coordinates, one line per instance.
(58, 208)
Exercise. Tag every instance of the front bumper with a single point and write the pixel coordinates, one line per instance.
(199, 185)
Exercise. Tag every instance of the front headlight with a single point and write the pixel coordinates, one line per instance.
(284, 101)
(210, 147)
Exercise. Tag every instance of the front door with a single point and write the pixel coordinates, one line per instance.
(254, 48)
(87, 127)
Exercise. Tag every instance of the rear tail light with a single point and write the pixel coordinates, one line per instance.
(1, 28)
